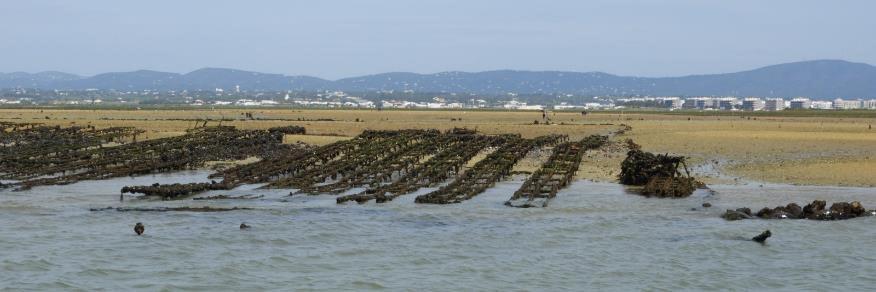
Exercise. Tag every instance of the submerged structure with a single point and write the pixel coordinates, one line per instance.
(383, 165)
(555, 174)
(488, 171)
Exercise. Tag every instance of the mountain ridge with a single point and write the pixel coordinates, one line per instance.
(815, 78)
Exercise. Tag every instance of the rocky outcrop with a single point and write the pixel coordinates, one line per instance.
(738, 214)
(817, 210)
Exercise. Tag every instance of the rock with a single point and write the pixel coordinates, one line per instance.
(762, 237)
(843, 210)
(794, 211)
(858, 208)
(733, 215)
(791, 211)
(765, 213)
(814, 210)
(707, 205)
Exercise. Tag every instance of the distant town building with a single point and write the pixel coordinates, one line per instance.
(821, 104)
(800, 103)
(567, 106)
(839, 103)
(690, 103)
(700, 103)
(513, 104)
(752, 104)
(673, 102)
(774, 104)
(705, 103)
(726, 103)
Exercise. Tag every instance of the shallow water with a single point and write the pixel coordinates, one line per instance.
(593, 236)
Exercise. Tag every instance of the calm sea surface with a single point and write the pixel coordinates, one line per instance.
(594, 236)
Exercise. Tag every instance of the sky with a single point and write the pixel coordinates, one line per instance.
(336, 39)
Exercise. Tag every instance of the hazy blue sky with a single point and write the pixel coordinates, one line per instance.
(334, 39)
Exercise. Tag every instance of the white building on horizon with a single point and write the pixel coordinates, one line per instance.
(840, 103)
(774, 104)
(821, 104)
(800, 103)
(752, 104)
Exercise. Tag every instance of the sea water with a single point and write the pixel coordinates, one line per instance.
(593, 236)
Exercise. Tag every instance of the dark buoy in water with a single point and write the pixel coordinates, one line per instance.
(243, 226)
(139, 228)
(762, 237)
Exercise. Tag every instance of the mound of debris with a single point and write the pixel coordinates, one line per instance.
(817, 210)
(660, 174)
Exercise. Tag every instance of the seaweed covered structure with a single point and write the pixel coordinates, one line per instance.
(464, 145)
(171, 191)
(488, 171)
(25, 146)
(191, 150)
(380, 149)
(346, 163)
(401, 166)
(660, 174)
(817, 210)
(555, 174)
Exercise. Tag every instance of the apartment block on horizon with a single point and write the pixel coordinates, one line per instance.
(821, 104)
(800, 103)
(840, 103)
(774, 104)
(673, 102)
(726, 103)
(752, 104)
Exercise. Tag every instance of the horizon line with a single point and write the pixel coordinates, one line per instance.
(434, 73)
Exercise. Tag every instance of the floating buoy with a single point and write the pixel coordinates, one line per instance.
(762, 237)
(139, 228)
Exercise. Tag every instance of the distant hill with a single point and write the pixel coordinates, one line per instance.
(817, 79)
